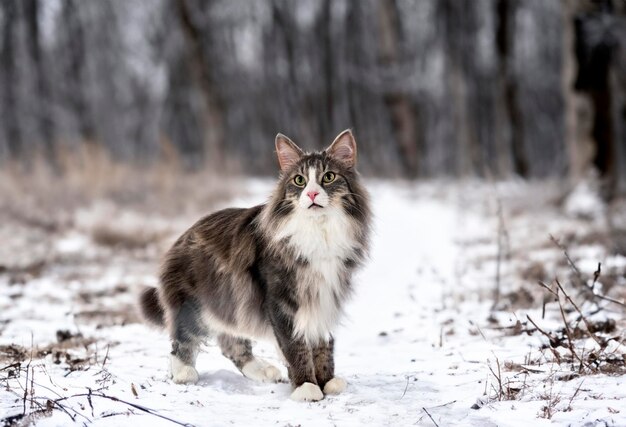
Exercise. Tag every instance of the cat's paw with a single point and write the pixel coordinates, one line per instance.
(307, 392)
(260, 370)
(335, 386)
(183, 374)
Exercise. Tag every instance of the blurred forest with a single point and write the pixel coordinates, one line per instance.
(493, 88)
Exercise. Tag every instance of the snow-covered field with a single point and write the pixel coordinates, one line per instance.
(423, 342)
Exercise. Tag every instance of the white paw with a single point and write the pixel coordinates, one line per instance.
(335, 386)
(181, 373)
(307, 392)
(260, 370)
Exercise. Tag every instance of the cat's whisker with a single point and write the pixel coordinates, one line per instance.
(356, 195)
(359, 210)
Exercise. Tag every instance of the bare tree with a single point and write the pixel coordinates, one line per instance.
(431, 88)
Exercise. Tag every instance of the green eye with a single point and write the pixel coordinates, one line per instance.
(299, 180)
(328, 177)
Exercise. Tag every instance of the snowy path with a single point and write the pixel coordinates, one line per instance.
(408, 345)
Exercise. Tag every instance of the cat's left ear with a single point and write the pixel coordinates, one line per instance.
(287, 151)
(343, 148)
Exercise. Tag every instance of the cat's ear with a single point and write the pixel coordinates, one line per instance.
(343, 148)
(287, 151)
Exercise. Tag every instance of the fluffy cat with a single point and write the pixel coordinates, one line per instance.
(279, 271)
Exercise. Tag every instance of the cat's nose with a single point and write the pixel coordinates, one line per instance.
(312, 195)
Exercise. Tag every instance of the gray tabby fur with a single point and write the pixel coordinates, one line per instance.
(280, 271)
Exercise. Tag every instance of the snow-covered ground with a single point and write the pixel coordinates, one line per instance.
(421, 344)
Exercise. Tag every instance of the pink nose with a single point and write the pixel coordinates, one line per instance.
(312, 195)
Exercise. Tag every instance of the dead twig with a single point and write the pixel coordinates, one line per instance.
(552, 342)
(106, 356)
(45, 371)
(478, 330)
(503, 242)
(582, 316)
(406, 387)
(89, 400)
(430, 416)
(544, 333)
(442, 405)
(596, 275)
(569, 405)
(32, 386)
(27, 371)
(609, 299)
(133, 405)
(569, 259)
(548, 288)
(53, 403)
(498, 377)
(582, 282)
(12, 365)
(568, 332)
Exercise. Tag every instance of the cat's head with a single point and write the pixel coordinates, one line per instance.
(313, 183)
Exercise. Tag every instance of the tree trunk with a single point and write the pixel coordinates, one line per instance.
(8, 65)
(44, 109)
(401, 110)
(505, 38)
(213, 118)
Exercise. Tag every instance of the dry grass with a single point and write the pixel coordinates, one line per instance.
(44, 197)
(63, 351)
(118, 205)
(588, 338)
(566, 349)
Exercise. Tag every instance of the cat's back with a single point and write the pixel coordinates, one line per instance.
(221, 227)
(225, 240)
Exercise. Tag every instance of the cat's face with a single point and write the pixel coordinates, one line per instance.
(315, 183)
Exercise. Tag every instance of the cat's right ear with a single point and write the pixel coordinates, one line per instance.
(287, 151)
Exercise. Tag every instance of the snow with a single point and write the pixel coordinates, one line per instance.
(415, 342)
(584, 201)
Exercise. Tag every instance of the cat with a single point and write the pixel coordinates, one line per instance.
(279, 271)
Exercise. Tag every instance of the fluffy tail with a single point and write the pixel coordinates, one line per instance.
(151, 308)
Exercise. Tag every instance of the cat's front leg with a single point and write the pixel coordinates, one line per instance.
(301, 370)
(299, 359)
(324, 361)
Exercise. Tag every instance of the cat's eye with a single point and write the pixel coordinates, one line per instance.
(299, 180)
(328, 177)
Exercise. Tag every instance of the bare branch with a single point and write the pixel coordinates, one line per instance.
(430, 416)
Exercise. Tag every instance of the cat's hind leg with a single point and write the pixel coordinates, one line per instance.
(188, 332)
(183, 362)
(239, 351)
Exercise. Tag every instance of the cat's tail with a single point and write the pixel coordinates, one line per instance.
(151, 308)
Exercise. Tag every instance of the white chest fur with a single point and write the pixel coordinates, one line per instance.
(324, 241)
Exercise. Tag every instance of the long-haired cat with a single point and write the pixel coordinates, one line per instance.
(279, 271)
